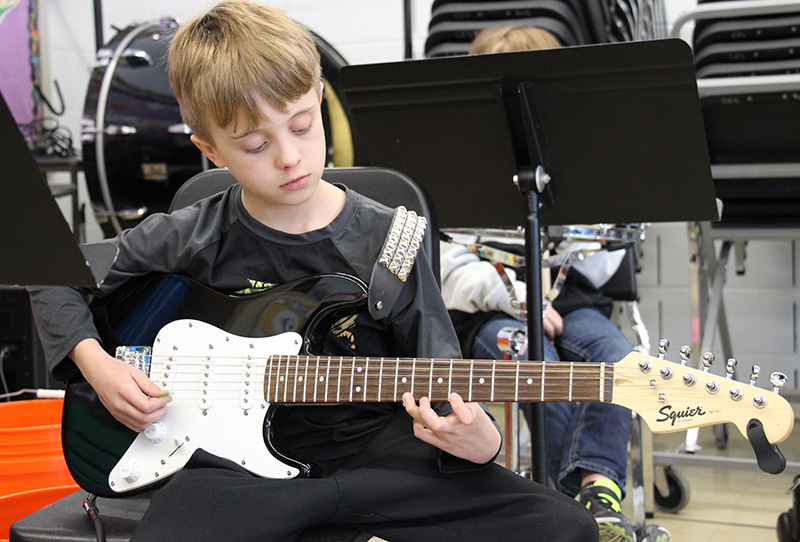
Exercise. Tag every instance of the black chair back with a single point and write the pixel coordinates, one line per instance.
(387, 186)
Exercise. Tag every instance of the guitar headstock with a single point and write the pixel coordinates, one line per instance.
(675, 397)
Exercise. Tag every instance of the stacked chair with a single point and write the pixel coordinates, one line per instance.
(747, 60)
(33, 472)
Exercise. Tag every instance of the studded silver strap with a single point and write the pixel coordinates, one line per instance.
(402, 243)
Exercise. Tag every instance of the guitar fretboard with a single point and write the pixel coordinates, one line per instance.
(331, 379)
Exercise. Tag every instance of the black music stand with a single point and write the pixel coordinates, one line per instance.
(617, 129)
(38, 247)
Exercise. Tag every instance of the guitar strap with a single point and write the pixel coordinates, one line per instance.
(395, 262)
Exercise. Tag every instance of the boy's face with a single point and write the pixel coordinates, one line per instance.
(280, 162)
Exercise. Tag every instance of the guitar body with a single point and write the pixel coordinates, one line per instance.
(209, 330)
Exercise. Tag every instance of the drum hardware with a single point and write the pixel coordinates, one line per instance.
(111, 129)
(513, 343)
(567, 260)
(132, 57)
(179, 128)
(496, 256)
(518, 233)
(104, 216)
(604, 233)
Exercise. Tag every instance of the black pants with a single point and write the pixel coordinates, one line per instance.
(393, 489)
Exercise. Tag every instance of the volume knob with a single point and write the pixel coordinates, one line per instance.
(130, 472)
(155, 432)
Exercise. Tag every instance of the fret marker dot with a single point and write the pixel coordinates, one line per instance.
(322, 379)
(481, 380)
(530, 381)
(299, 378)
(440, 380)
(358, 388)
(358, 370)
(404, 380)
(280, 379)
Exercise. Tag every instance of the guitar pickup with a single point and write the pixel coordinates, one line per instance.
(247, 398)
(207, 377)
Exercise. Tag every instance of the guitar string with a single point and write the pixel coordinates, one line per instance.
(558, 370)
(459, 365)
(287, 396)
(289, 388)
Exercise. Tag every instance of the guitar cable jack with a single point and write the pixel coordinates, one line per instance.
(90, 505)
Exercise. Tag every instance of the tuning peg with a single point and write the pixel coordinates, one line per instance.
(685, 354)
(730, 368)
(754, 375)
(778, 381)
(663, 346)
(708, 359)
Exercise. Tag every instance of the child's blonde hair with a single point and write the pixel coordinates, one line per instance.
(221, 61)
(512, 38)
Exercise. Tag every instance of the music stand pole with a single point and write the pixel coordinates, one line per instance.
(533, 183)
(526, 182)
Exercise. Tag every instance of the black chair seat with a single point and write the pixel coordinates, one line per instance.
(66, 521)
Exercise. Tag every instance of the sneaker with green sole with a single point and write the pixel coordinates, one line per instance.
(602, 499)
(653, 533)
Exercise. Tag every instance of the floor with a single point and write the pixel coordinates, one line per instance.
(739, 504)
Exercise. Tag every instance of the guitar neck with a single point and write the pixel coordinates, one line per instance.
(331, 379)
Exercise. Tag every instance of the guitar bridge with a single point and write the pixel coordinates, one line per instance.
(137, 356)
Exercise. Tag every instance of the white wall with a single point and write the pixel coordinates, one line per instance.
(762, 304)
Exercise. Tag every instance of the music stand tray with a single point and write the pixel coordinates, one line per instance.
(617, 127)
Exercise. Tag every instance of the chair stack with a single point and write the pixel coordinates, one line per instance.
(33, 472)
(747, 45)
(748, 67)
(455, 23)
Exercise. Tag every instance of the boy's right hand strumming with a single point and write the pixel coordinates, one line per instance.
(132, 398)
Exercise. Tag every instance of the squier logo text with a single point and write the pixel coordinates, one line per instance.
(672, 415)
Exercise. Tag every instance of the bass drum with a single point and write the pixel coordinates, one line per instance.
(136, 149)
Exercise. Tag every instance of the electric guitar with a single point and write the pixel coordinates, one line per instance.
(230, 360)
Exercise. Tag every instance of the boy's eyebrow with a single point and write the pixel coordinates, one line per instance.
(254, 130)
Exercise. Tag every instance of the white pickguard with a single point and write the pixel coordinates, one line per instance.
(217, 382)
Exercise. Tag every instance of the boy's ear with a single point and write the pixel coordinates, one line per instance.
(209, 150)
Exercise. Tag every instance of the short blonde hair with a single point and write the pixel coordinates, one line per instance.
(512, 38)
(221, 61)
